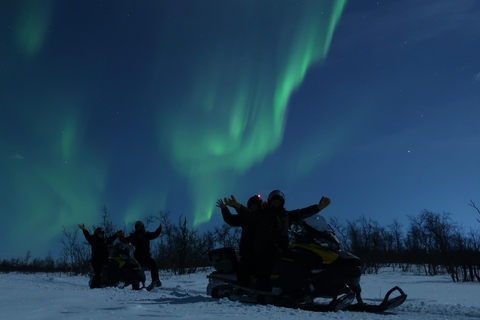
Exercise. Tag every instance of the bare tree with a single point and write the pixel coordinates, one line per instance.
(341, 232)
(396, 231)
(226, 236)
(75, 253)
(107, 224)
(367, 240)
(471, 204)
(183, 249)
(436, 234)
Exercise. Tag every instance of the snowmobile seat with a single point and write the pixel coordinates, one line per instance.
(224, 260)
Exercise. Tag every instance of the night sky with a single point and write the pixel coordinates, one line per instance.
(148, 106)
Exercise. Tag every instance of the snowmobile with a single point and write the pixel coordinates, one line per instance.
(122, 269)
(313, 268)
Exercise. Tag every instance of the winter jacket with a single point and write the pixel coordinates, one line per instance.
(141, 241)
(99, 247)
(247, 237)
(272, 225)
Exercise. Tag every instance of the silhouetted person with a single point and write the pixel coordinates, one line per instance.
(141, 240)
(247, 238)
(272, 223)
(99, 252)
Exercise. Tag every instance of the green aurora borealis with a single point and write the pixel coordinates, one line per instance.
(148, 106)
(219, 81)
(232, 111)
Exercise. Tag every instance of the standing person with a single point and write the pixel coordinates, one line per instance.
(99, 252)
(141, 240)
(247, 238)
(271, 234)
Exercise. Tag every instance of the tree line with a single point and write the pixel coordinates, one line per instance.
(179, 249)
(432, 244)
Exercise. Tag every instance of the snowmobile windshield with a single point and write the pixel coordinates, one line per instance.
(317, 228)
(317, 222)
(122, 250)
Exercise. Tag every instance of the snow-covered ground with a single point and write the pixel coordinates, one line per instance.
(57, 296)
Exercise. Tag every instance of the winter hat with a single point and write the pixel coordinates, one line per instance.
(254, 200)
(139, 223)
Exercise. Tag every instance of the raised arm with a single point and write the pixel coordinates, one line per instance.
(87, 234)
(299, 214)
(228, 217)
(155, 234)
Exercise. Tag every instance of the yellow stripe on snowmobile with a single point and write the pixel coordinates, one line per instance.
(119, 261)
(327, 256)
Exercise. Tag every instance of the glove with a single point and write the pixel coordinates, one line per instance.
(324, 202)
(232, 202)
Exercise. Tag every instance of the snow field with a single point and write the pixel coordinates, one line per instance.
(58, 296)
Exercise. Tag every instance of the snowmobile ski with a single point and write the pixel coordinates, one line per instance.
(386, 304)
(336, 305)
